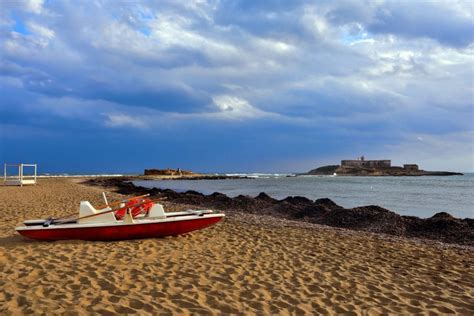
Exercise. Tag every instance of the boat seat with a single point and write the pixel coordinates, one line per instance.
(87, 209)
(157, 211)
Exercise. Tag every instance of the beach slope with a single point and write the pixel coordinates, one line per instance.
(248, 264)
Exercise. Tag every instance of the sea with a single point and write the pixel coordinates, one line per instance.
(418, 196)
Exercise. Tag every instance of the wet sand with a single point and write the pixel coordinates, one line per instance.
(244, 265)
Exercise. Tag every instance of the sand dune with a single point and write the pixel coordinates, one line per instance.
(244, 265)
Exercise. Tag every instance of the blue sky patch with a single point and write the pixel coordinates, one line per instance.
(19, 26)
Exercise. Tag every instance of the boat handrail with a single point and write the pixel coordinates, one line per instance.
(111, 205)
(104, 212)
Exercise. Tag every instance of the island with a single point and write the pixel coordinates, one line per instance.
(170, 172)
(363, 167)
(179, 174)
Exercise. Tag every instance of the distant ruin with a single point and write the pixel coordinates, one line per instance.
(376, 164)
(411, 167)
(361, 162)
(168, 172)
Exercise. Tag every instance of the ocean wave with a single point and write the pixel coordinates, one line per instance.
(258, 175)
(67, 175)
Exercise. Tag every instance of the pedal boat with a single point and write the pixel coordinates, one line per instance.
(146, 219)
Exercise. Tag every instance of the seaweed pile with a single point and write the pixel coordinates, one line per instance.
(372, 218)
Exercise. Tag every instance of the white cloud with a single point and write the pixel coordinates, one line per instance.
(231, 107)
(177, 31)
(35, 6)
(314, 20)
(124, 120)
(270, 45)
(40, 30)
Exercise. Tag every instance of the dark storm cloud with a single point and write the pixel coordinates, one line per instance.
(302, 75)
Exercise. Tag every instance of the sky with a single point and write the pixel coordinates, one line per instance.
(235, 86)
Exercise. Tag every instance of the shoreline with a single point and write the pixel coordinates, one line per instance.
(441, 227)
(250, 175)
(278, 222)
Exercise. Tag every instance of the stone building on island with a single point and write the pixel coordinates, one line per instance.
(361, 163)
(377, 164)
(411, 167)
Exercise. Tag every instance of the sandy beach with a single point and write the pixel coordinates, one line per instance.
(247, 264)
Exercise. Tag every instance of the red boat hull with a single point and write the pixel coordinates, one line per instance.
(122, 232)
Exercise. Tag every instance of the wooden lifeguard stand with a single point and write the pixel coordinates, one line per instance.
(21, 179)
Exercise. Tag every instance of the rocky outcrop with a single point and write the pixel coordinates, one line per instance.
(324, 170)
(442, 226)
(178, 174)
(168, 172)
